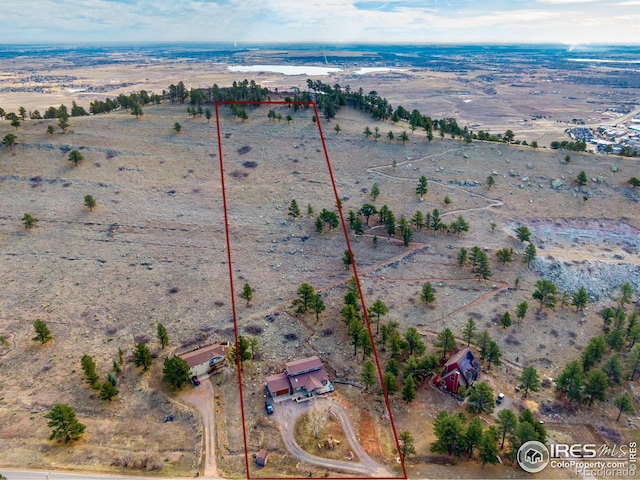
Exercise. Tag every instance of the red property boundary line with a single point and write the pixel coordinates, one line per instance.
(353, 266)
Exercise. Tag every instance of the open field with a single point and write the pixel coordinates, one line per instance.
(153, 250)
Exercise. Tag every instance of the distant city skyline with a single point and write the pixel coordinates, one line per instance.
(322, 21)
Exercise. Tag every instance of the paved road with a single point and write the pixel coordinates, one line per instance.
(54, 475)
(286, 414)
(203, 399)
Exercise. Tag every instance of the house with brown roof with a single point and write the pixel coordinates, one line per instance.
(300, 380)
(462, 369)
(206, 360)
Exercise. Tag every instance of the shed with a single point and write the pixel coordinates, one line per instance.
(261, 459)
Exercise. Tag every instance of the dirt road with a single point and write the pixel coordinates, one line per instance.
(202, 398)
(286, 414)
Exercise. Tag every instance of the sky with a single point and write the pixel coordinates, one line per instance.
(322, 21)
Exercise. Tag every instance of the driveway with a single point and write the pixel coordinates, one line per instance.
(286, 414)
(202, 398)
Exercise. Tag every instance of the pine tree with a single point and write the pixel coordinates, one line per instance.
(43, 334)
(368, 375)
(163, 336)
(294, 210)
(469, 331)
(422, 187)
(505, 320)
(89, 369)
(409, 389)
(64, 424)
(175, 372)
(462, 256)
(529, 254)
(428, 295)
(108, 391)
(247, 293)
(445, 341)
(529, 380)
(580, 299)
(521, 311)
(624, 403)
(142, 356)
(407, 447)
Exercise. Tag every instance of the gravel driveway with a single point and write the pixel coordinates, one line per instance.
(286, 414)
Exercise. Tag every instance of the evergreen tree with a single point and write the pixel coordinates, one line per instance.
(571, 380)
(582, 179)
(445, 341)
(367, 210)
(409, 390)
(163, 336)
(405, 231)
(593, 352)
(418, 220)
(108, 391)
(28, 220)
(473, 435)
(450, 434)
(305, 296)
(142, 356)
(247, 293)
(494, 355)
(580, 299)
(89, 369)
(529, 254)
(89, 202)
(529, 380)
(390, 383)
(177, 127)
(64, 424)
(521, 311)
(546, 292)
(624, 404)
(481, 398)
(487, 449)
(422, 187)
(469, 331)
(75, 156)
(505, 320)
(413, 341)
(428, 296)
(242, 352)
(523, 233)
(596, 386)
(407, 447)
(507, 421)
(294, 210)
(378, 309)
(43, 334)
(175, 372)
(462, 256)
(613, 369)
(368, 375)
(633, 361)
(318, 306)
(626, 294)
(505, 255)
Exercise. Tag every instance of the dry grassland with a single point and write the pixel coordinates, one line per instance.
(154, 251)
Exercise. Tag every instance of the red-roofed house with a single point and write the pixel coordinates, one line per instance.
(207, 359)
(301, 379)
(462, 369)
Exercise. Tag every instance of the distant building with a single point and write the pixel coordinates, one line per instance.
(462, 369)
(300, 380)
(205, 360)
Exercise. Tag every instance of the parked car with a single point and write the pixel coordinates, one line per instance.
(500, 398)
(268, 406)
(195, 381)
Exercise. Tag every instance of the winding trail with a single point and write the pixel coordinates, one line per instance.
(286, 414)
